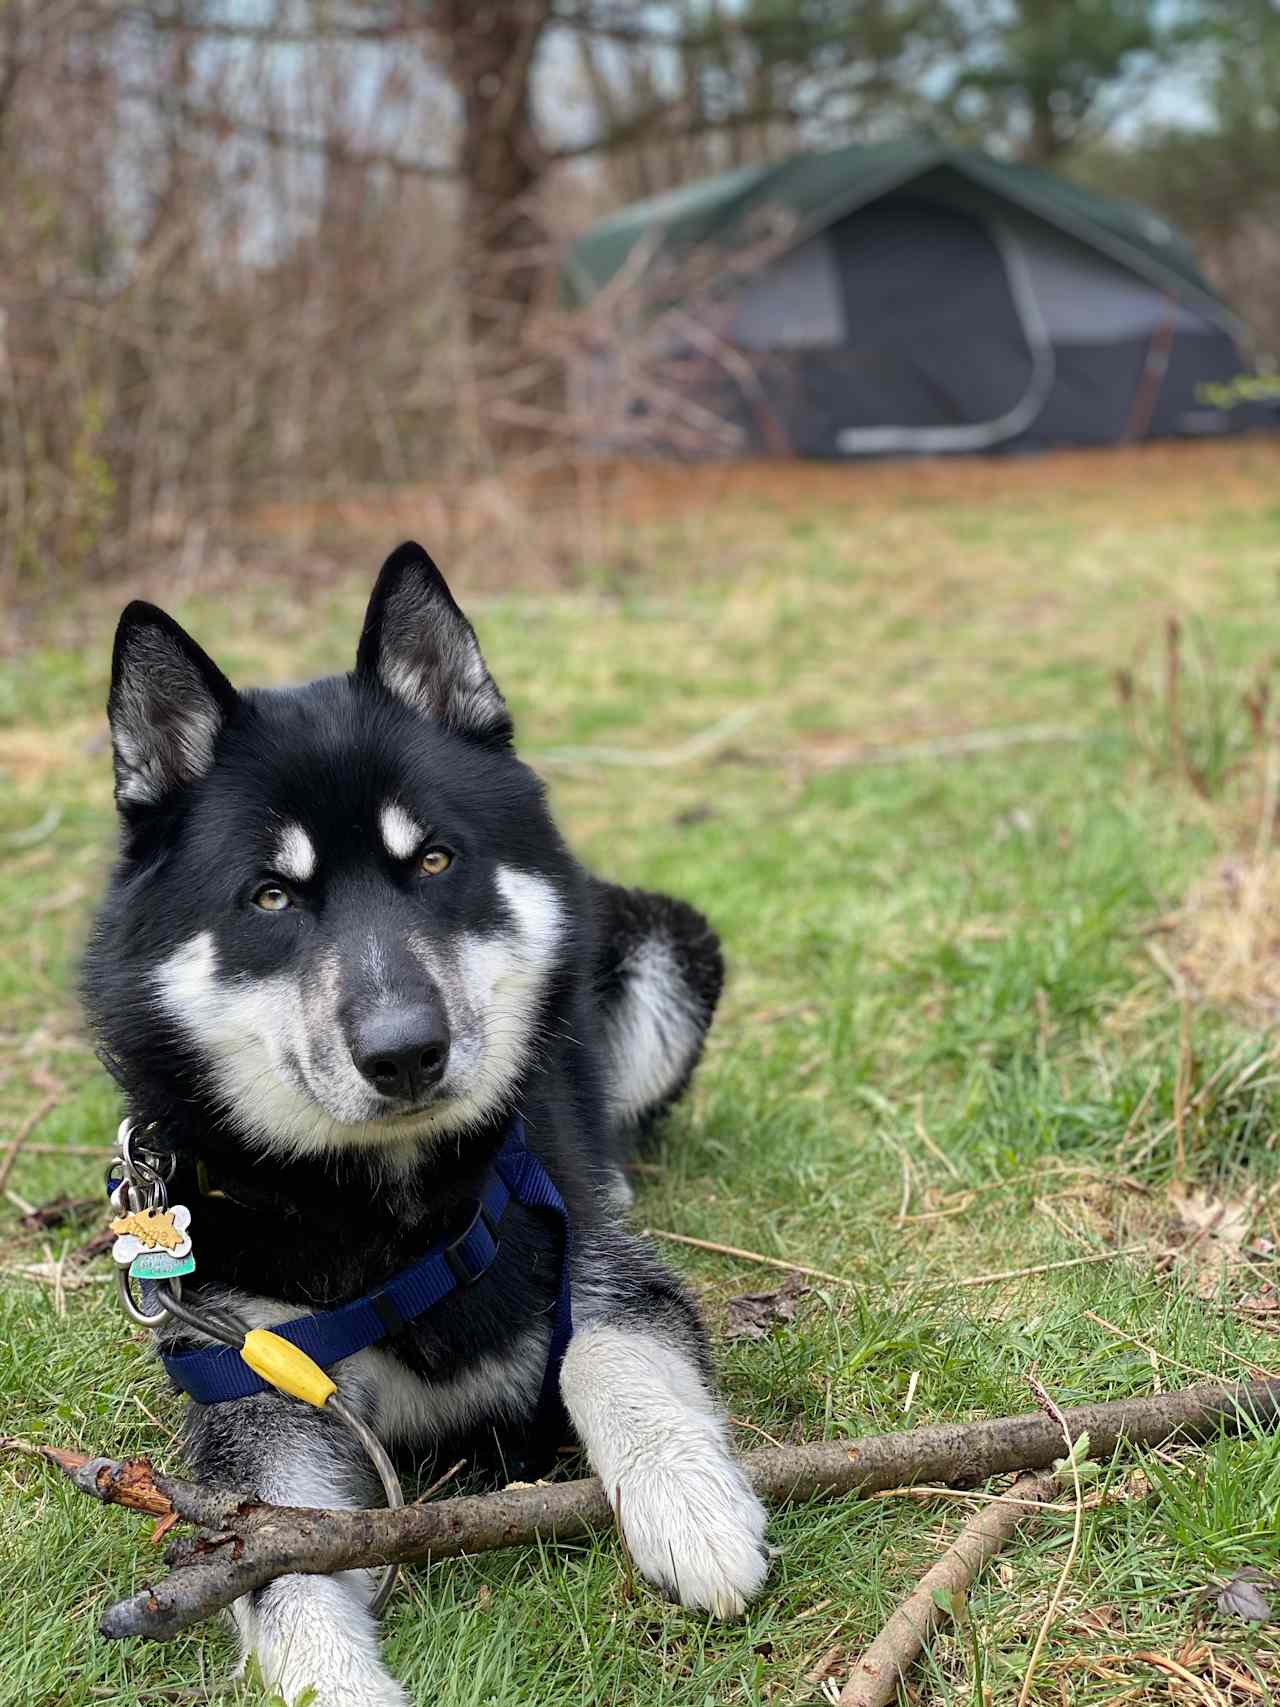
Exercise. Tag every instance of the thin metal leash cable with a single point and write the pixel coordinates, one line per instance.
(224, 1325)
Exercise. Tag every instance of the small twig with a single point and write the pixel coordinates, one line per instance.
(1046, 1267)
(941, 746)
(1047, 1404)
(1182, 1086)
(174, 1438)
(1144, 1103)
(969, 1200)
(1142, 1345)
(1034, 1176)
(15, 1443)
(38, 1113)
(922, 1132)
(874, 1679)
(905, 1163)
(747, 1256)
(696, 747)
(936, 1214)
(924, 1492)
(57, 1211)
(102, 1151)
(440, 1481)
(1064, 1227)
(1258, 1370)
(843, 1280)
(1163, 1662)
(128, 1482)
(754, 1428)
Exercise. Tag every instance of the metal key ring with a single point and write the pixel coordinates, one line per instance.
(131, 1309)
(149, 1167)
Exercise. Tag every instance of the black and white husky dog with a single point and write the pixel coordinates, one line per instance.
(343, 946)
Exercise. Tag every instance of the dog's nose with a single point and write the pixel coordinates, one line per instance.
(403, 1051)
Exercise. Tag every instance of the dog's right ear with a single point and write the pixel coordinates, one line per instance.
(418, 645)
(167, 706)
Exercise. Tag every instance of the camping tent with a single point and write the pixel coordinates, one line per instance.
(906, 298)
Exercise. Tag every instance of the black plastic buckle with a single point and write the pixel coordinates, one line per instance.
(452, 1253)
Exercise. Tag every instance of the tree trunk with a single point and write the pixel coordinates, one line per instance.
(488, 51)
(1045, 141)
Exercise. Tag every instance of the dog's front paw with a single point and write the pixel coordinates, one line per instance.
(697, 1531)
(314, 1643)
(303, 1686)
(344, 1692)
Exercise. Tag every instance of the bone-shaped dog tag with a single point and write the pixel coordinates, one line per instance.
(154, 1244)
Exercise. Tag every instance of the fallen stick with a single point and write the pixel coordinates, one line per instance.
(29, 1125)
(247, 1542)
(874, 1679)
(636, 758)
(843, 1280)
(1045, 1267)
(747, 1256)
(940, 747)
(102, 1151)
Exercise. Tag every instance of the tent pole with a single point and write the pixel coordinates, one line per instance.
(1151, 379)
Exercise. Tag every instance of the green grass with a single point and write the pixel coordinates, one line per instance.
(938, 966)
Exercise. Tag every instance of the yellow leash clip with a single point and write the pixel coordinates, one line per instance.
(279, 1362)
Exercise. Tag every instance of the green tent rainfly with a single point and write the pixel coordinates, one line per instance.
(901, 298)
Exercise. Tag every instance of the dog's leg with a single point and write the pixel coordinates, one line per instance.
(657, 979)
(636, 1387)
(307, 1634)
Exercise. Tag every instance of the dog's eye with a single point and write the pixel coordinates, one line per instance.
(435, 860)
(271, 898)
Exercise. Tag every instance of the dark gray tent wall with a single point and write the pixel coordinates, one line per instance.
(943, 318)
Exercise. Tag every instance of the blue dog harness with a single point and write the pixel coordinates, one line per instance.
(215, 1373)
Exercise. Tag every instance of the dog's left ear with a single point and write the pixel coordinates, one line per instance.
(420, 647)
(167, 707)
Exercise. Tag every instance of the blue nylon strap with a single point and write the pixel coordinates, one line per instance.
(213, 1374)
(530, 1184)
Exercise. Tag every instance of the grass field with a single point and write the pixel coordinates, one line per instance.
(966, 979)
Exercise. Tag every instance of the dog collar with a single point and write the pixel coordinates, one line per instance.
(215, 1374)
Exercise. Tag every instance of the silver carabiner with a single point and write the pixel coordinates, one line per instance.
(132, 1310)
(142, 1185)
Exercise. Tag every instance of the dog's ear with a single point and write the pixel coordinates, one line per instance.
(167, 705)
(420, 647)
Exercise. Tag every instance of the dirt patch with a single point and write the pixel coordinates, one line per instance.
(1162, 480)
(1158, 479)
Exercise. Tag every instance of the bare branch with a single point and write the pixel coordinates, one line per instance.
(874, 1678)
(247, 1543)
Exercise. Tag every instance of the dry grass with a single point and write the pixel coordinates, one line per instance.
(1161, 481)
(1226, 937)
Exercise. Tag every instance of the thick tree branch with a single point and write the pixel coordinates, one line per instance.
(246, 1543)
